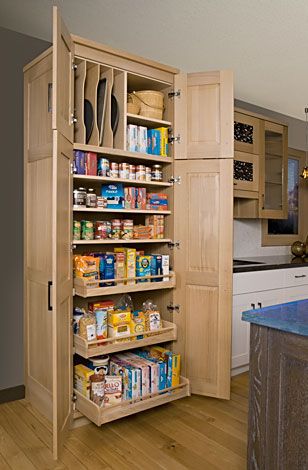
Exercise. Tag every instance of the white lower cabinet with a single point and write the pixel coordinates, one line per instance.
(284, 285)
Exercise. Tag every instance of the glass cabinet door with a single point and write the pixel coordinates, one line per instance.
(275, 172)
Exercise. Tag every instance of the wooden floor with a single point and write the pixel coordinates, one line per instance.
(192, 433)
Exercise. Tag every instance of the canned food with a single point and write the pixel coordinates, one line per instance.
(102, 230)
(87, 230)
(103, 167)
(124, 170)
(76, 230)
(140, 173)
(127, 229)
(116, 228)
(80, 197)
(132, 172)
(91, 198)
(148, 173)
(101, 201)
(157, 173)
(114, 170)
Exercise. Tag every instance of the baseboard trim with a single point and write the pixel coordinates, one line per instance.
(12, 394)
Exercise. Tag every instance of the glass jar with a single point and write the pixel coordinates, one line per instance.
(91, 198)
(157, 173)
(80, 198)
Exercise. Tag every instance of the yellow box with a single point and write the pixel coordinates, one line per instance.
(119, 324)
(130, 263)
(82, 376)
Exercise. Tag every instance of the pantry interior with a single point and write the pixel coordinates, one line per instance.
(187, 201)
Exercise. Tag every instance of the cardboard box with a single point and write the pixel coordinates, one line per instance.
(79, 162)
(164, 145)
(142, 139)
(91, 163)
(132, 138)
(119, 267)
(156, 267)
(143, 268)
(165, 267)
(119, 324)
(113, 195)
(82, 382)
(130, 263)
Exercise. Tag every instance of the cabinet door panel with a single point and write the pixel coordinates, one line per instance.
(203, 224)
(62, 288)
(246, 172)
(63, 78)
(241, 329)
(204, 115)
(246, 133)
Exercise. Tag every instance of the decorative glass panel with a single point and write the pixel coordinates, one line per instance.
(243, 132)
(243, 171)
(288, 226)
(273, 170)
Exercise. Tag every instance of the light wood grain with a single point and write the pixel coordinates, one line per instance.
(255, 123)
(242, 185)
(90, 94)
(107, 179)
(80, 79)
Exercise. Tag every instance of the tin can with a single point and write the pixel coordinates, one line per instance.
(124, 171)
(140, 173)
(132, 172)
(148, 173)
(76, 230)
(80, 197)
(102, 230)
(91, 198)
(127, 229)
(157, 173)
(87, 230)
(103, 167)
(101, 202)
(114, 170)
(116, 228)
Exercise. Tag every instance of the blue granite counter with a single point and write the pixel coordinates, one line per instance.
(291, 317)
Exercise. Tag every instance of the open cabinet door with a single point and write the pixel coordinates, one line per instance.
(62, 288)
(204, 115)
(63, 78)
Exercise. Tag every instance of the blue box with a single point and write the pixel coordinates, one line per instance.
(114, 195)
(154, 137)
(156, 267)
(79, 162)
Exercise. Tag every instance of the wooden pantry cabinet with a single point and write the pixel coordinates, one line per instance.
(196, 299)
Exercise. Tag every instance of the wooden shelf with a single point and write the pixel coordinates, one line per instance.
(147, 122)
(121, 211)
(101, 415)
(123, 155)
(86, 349)
(111, 241)
(87, 289)
(103, 179)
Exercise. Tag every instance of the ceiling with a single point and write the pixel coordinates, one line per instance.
(265, 42)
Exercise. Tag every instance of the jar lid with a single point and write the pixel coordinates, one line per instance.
(81, 189)
(157, 167)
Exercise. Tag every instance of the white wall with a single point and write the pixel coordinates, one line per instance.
(247, 232)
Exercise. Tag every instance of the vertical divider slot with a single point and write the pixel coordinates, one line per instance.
(80, 78)
(120, 93)
(106, 139)
(92, 79)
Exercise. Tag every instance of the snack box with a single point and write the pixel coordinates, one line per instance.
(132, 138)
(119, 324)
(82, 376)
(154, 369)
(156, 223)
(164, 139)
(130, 198)
(165, 267)
(91, 163)
(142, 139)
(112, 390)
(86, 267)
(134, 377)
(153, 141)
(113, 194)
(156, 267)
(130, 263)
(141, 198)
(106, 304)
(172, 360)
(157, 201)
(79, 162)
(119, 267)
(137, 323)
(136, 361)
(143, 268)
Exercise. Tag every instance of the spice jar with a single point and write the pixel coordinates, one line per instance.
(116, 228)
(140, 173)
(157, 173)
(80, 198)
(97, 388)
(132, 172)
(91, 198)
(127, 229)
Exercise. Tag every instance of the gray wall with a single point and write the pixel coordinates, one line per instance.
(15, 51)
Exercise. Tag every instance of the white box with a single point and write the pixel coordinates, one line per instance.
(165, 267)
(142, 139)
(131, 138)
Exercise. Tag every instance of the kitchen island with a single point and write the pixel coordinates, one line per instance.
(278, 394)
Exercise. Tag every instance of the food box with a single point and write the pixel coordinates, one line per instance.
(79, 162)
(119, 324)
(113, 195)
(106, 304)
(156, 267)
(165, 266)
(142, 139)
(130, 263)
(82, 376)
(132, 138)
(153, 142)
(157, 201)
(91, 163)
(112, 390)
(164, 136)
(119, 267)
(143, 268)
(137, 323)
(107, 268)
(130, 198)
(141, 198)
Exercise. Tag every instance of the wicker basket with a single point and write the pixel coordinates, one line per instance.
(133, 108)
(151, 103)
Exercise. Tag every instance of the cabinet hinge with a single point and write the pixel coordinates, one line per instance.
(74, 399)
(175, 179)
(174, 94)
(73, 246)
(174, 138)
(172, 245)
(171, 307)
(73, 119)
(74, 66)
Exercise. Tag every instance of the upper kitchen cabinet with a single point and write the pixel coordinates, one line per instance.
(246, 133)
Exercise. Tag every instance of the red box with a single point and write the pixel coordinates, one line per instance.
(91, 163)
(141, 199)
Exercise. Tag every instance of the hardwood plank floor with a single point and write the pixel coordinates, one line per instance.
(194, 433)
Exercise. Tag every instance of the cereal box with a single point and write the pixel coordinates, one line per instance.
(130, 198)
(112, 390)
(153, 142)
(137, 323)
(141, 198)
(82, 376)
(163, 150)
(156, 267)
(143, 267)
(79, 162)
(130, 263)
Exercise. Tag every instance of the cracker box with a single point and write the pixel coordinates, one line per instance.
(137, 323)
(119, 324)
(165, 267)
(143, 267)
(130, 198)
(106, 304)
(142, 139)
(130, 263)
(132, 138)
(113, 195)
(82, 376)
(157, 201)
(112, 390)
(91, 163)
(119, 267)
(156, 267)
(79, 162)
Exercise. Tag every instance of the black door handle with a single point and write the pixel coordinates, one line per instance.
(49, 296)
(253, 306)
(259, 305)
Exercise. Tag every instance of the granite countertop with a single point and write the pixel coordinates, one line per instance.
(269, 262)
(291, 317)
